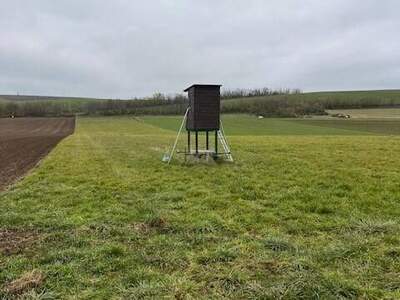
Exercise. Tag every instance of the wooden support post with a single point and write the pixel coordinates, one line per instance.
(188, 137)
(207, 140)
(216, 142)
(197, 142)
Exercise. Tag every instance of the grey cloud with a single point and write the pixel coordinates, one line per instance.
(127, 48)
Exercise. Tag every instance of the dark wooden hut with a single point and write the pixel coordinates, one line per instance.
(203, 115)
(204, 104)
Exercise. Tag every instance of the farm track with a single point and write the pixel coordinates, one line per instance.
(25, 141)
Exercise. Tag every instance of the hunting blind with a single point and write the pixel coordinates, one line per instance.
(203, 116)
(204, 103)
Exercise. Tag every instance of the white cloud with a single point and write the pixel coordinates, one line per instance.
(127, 48)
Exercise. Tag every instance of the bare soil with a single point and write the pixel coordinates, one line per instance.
(25, 141)
(13, 241)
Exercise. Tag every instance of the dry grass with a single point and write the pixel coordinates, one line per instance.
(26, 282)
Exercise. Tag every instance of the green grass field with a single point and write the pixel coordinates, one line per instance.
(250, 125)
(370, 113)
(305, 212)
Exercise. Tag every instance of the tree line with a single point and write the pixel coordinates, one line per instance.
(266, 102)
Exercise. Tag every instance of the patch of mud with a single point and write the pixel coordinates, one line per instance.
(15, 241)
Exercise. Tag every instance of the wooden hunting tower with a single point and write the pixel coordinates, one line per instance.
(204, 107)
(203, 115)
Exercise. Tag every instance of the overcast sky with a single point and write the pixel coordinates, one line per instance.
(126, 48)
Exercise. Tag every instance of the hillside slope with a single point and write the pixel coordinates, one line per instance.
(292, 105)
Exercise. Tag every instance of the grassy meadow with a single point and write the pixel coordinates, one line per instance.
(370, 113)
(306, 211)
(249, 125)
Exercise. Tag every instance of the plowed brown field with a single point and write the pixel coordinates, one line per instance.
(24, 141)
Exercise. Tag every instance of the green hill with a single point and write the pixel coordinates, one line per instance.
(286, 105)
